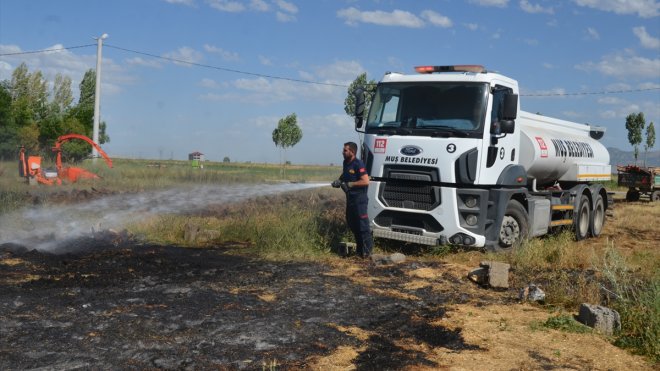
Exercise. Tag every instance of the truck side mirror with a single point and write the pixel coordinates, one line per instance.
(359, 108)
(510, 107)
(507, 126)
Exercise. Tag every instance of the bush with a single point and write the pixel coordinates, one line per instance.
(638, 303)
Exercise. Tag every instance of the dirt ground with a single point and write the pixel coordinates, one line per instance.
(114, 303)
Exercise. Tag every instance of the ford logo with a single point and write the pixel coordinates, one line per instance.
(410, 151)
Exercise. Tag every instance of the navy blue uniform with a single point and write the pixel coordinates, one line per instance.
(356, 207)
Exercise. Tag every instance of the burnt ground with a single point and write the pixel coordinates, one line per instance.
(146, 306)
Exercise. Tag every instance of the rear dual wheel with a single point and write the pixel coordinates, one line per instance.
(589, 221)
(582, 218)
(598, 217)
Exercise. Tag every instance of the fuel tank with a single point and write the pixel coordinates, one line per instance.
(554, 150)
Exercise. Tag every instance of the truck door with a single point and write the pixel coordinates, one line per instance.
(500, 150)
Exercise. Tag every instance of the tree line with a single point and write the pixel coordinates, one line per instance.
(34, 113)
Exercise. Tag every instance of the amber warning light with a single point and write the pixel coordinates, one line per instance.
(458, 68)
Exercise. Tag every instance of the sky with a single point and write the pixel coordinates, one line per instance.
(253, 62)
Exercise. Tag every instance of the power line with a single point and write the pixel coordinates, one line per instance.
(226, 69)
(590, 93)
(46, 50)
(604, 92)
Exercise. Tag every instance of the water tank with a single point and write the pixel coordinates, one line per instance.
(556, 150)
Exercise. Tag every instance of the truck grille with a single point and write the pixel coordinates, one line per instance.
(410, 195)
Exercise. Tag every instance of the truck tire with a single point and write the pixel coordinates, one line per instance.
(515, 227)
(632, 195)
(582, 218)
(655, 196)
(598, 217)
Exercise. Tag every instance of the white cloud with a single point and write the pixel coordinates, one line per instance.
(226, 5)
(226, 55)
(618, 87)
(68, 64)
(138, 61)
(259, 5)
(437, 19)
(495, 3)
(181, 2)
(548, 66)
(265, 61)
(185, 54)
(353, 16)
(209, 83)
(284, 17)
(573, 115)
(647, 41)
(643, 8)
(340, 71)
(287, 6)
(471, 26)
(550, 93)
(531, 42)
(648, 85)
(592, 34)
(527, 7)
(609, 100)
(622, 67)
(264, 91)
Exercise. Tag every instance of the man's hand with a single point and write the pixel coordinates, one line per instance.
(345, 186)
(336, 183)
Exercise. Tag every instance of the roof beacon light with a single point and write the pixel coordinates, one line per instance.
(474, 68)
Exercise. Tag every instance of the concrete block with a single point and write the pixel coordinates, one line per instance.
(498, 274)
(602, 319)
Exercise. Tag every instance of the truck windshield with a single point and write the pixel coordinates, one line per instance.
(442, 108)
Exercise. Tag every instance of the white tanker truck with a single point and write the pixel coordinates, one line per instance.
(453, 160)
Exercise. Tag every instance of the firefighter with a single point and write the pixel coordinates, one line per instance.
(354, 181)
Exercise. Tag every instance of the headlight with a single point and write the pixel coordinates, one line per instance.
(470, 201)
(471, 219)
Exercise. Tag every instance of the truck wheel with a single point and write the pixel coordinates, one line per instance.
(581, 218)
(655, 196)
(632, 195)
(515, 227)
(598, 217)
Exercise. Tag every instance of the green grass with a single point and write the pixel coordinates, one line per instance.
(562, 322)
(306, 225)
(638, 302)
(572, 273)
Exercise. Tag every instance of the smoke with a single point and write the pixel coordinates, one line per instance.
(49, 228)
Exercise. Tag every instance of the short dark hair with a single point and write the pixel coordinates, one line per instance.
(352, 146)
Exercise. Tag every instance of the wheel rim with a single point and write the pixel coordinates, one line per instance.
(583, 222)
(510, 231)
(656, 196)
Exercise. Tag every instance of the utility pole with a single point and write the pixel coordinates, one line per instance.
(97, 95)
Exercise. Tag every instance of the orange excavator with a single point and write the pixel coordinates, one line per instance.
(30, 166)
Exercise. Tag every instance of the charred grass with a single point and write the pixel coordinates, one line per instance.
(619, 269)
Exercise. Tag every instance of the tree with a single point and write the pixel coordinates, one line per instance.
(287, 134)
(62, 95)
(369, 88)
(8, 132)
(635, 122)
(650, 139)
(226, 160)
(85, 109)
(29, 96)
